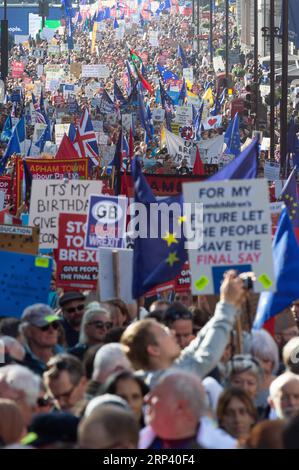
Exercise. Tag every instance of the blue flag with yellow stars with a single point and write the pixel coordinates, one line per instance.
(159, 251)
(232, 137)
(290, 197)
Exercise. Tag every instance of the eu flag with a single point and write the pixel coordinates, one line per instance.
(242, 167)
(232, 137)
(286, 268)
(156, 259)
(289, 196)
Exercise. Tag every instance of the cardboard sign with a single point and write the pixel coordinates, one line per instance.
(188, 74)
(212, 122)
(44, 169)
(115, 279)
(25, 280)
(76, 267)
(153, 38)
(233, 231)
(218, 64)
(106, 222)
(95, 71)
(51, 197)
(183, 115)
(19, 239)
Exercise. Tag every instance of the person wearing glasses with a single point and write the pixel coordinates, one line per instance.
(65, 381)
(72, 306)
(40, 328)
(96, 322)
(180, 320)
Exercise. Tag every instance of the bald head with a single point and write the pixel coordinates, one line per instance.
(176, 404)
(109, 427)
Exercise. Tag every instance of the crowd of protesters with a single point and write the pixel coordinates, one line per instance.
(87, 374)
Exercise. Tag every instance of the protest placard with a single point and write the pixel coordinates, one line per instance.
(272, 171)
(115, 278)
(218, 64)
(231, 231)
(158, 114)
(17, 69)
(6, 188)
(212, 122)
(19, 239)
(95, 71)
(76, 266)
(51, 197)
(211, 149)
(153, 38)
(25, 280)
(34, 24)
(183, 115)
(188, 74)
(106, 222)
(75, 69)
(180, 149)
(60, 130)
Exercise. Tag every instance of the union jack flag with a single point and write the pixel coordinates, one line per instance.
(85, 141)
(39, 116)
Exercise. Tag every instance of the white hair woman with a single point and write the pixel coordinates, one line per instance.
(265, 350)
(96, 322)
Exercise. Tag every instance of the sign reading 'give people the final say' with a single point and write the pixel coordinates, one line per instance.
(232, 231)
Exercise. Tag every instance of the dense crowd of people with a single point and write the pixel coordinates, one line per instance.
(176, 373)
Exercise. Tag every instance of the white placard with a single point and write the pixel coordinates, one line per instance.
(51, 197)
(153, 38)
(188, 74)
(40, 70)
(48, 34)
(95, 71)
(218, 64)
(60, 130)
(106, 279)
(183, 115)
(34, 24)
(232, 231)
(158, 114)
(272, 171)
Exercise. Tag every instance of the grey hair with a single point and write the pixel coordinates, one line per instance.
(108, 359)
(14, 347)
(244, 363)
(189, 387)
(290, 355)
(93, 309)
(280, 382)
(264, 347)
(20, 378)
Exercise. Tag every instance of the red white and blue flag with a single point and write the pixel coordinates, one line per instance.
(85, 141)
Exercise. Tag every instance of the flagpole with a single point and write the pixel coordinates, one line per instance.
(284, 88)
(211, 32)
(272, 79)
(197, 25)
(226, 41)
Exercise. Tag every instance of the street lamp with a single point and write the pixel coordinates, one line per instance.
(4, 44)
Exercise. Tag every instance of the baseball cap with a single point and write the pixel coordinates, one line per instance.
(47, 428)
(70, 296)
(39, 315)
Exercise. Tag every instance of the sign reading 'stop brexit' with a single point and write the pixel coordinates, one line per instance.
(234, 230)
(106, 222)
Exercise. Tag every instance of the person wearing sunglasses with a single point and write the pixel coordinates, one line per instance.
(40, 328)
(65, 381)
(72, 306)
(96, 322)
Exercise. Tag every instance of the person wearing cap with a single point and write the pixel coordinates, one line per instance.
(72, 305)
(52, 431)
(39, 326)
